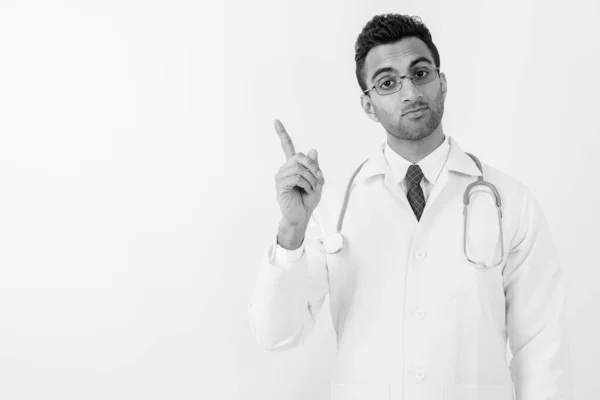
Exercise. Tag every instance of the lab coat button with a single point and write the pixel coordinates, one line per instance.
(420, 314)
(420, 374)
(420, 255)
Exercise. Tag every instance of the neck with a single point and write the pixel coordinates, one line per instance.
(416, 150)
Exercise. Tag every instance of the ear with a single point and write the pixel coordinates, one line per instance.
(367, 106)
(444, 84)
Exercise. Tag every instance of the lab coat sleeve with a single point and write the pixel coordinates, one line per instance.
(289, 292)
(536, 318)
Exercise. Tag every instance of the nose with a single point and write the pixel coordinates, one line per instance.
(409, 92)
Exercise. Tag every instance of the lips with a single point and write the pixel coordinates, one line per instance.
(414, 110)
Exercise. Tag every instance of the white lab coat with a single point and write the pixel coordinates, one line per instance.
(414, 319)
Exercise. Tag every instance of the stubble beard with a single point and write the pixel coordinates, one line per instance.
(403, 132)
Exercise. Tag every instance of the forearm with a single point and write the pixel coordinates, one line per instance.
(290, 289)
(290, 236)
(536, 309)
(279, 306)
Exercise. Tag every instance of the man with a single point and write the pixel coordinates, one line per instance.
(416, 315)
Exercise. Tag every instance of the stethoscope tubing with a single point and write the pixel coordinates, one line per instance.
(335, 241)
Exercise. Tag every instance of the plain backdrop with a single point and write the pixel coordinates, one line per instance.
(137, 164)
(111, 176)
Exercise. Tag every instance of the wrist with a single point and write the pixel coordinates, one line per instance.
(290, 235)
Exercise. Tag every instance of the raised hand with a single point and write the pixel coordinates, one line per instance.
(299, 182)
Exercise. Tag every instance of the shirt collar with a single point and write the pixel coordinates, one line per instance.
(431, 165)
(458, 161)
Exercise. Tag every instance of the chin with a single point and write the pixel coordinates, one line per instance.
(412, 134)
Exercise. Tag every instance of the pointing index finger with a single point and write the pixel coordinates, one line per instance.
(286, 141)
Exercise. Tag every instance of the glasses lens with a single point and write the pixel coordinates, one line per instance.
(424, 75)
(388, 85)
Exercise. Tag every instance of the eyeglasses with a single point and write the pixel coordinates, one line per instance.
(393, 83)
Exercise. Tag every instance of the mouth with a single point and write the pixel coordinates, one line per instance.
(415, 113)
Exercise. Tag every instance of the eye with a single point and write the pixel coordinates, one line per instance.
(388, 83)
(421, 74)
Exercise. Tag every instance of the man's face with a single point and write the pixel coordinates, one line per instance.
(403, 58)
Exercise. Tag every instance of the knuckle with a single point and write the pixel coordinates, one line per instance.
(310, 165)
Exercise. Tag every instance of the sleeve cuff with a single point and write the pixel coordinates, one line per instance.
(284, 258)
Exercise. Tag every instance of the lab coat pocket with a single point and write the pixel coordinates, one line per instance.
(360, 391)
(483, 392)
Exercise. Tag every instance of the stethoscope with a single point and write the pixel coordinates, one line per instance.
(334, 242)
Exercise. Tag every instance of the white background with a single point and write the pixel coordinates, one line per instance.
(137, 158)
(111, 169)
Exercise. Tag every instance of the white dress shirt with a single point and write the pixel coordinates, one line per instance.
(431, 165)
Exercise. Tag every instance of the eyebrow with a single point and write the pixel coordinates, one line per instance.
(391, 69)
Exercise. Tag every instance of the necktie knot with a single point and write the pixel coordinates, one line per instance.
(414, 175)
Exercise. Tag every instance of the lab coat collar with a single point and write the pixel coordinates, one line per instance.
(458, 161)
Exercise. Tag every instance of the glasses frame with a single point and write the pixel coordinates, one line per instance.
(411, 77)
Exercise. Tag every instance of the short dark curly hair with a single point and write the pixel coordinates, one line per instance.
(387, 29)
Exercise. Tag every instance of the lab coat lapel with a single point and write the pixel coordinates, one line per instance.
(449, 183)
(377, 165)
(445, 191)
(394, 187)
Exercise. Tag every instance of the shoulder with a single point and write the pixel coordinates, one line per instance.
(517, 198)
(510, 186)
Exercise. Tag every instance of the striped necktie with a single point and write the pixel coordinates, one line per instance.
(415, 195)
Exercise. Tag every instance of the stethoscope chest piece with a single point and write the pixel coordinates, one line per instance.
(333, 242)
